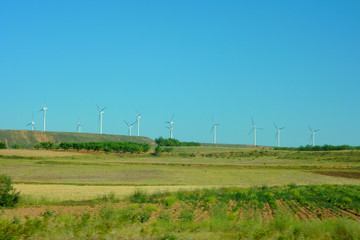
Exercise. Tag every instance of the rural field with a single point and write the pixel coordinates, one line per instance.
(195, 192)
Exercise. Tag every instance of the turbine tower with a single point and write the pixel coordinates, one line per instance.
(278, 134)
(213, 129)
(312, 136)
(130, 126)
(101, 111)
(44, 110)
(79, 125)
(171, 125)
(32, 123)
(254, 130)
(138, 123)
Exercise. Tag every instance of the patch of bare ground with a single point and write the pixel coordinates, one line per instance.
(349, 213)
(267, 213)
(344, 174)
(175, 210)
(200, 214)
(299, 211)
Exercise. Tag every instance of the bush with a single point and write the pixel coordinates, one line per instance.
(2, 145)
(15, 146)
(8, 195)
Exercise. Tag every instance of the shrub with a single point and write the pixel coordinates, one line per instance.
(2, 145)
(15, 146)
(8, 195)
(158, 150)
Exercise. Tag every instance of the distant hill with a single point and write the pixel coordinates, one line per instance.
(27, 139)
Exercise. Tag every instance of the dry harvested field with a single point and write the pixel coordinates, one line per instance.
(38, 153)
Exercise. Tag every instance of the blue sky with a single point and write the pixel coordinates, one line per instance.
(292, 62)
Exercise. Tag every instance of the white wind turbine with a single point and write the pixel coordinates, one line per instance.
(44, 110)
(101, 111)
(130, 126)
(254, 130)
(213, 129)
(278, 134)
(32, 123)
(138, 123)
(171, 125)
(313, 135)
(78, 128)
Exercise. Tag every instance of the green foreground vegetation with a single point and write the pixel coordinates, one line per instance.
(290, 212)
(243, 193)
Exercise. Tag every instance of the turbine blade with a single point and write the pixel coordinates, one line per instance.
(172, 117)
(252, 120)
(251, 131)
(310, 128)
(98, 107)
(103, 109)
(275, 126)
(260, 128)
(317, 130)
(127, 123)
(281, 128)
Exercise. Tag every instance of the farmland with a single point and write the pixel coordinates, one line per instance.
(189, 193)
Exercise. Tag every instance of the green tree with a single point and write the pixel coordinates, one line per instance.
(8, 195)
(2, 145)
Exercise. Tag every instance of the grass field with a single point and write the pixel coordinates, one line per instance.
(64, 184)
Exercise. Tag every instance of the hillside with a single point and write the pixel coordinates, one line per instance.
(28, 139)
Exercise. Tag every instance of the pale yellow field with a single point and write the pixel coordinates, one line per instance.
(71, 192)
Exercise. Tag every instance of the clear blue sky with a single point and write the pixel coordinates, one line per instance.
(291, 62)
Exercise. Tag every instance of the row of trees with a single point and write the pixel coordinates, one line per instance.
(319, 148)
(98, 146)
(173, 142)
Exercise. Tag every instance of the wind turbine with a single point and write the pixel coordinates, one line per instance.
(101, 111)
(44, 110)
(313, 135)
(138, 123)
(171, 125)
(278, 134)
(254, 130)
(32, 123)
(79, 125)
(213, 129)
(130, 126)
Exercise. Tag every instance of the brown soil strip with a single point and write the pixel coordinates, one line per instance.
(344, 174)
(267, 213)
